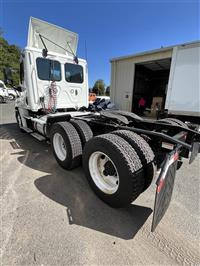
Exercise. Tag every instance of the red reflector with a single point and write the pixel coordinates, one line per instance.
(160, 185)
(176, 156)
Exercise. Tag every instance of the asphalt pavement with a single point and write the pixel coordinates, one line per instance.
(50, 216)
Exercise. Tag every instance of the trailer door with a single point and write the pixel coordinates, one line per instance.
(184, 81)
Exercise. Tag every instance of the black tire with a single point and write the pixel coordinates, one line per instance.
(167, 121)
(127, 114)
(144, 152)
(178, 122)
(127, 163)
(173, 122)
(11, 96)
(1, 99)
(19, 121)
(72, 144)
(83, 129)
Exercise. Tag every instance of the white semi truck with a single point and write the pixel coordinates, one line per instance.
(120, 152)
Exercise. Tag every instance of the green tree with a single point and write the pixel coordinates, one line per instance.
(99, 87)
(9, 57)
(108, 91)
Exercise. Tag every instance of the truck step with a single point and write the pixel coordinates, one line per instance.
(38, 136)
(26, 129)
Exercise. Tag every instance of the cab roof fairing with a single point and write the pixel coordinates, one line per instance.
(64, 38)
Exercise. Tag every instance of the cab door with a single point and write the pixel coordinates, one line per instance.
(76, 83)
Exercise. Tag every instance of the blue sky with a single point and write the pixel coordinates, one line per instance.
(110, 28)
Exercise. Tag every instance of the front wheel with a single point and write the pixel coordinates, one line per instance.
(19, 120)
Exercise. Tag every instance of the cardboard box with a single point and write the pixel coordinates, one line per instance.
(157, 103)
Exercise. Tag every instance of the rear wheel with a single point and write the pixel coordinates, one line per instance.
(144, 152)
(113, 169)
(167, 121)
(178, 122)
(66, 145)
(83, 129)
(173, 122)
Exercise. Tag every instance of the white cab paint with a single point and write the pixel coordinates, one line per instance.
(69, 95)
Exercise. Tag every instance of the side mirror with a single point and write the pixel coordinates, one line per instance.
(44, 53)
(8, 79)
(76, 59)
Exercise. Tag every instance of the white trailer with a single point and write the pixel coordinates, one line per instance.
(183, 94)
(120, 152)
(170, 74)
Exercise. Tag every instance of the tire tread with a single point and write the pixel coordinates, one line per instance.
(143, 150)
(83, 129)
(128, 155)
(179, 122)
(75, 144)
(173, 122)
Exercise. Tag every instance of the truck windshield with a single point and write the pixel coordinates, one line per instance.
(73, 73)
(48, 69)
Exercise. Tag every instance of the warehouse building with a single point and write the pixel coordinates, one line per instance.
(145, 76)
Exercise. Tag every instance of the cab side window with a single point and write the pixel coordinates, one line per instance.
(73, 73)
(48, 69)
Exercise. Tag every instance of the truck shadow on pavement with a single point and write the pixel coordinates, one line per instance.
(70, 189)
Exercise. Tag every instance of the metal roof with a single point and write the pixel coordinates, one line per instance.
(152, 51)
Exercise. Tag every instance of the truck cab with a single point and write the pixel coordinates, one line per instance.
(52, 78)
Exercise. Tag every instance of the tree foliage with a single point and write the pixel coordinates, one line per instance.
(108, 91)
(9, 57)
(99, 87)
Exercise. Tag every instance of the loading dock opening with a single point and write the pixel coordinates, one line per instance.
(150, 84)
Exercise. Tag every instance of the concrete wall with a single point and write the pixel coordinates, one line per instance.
(122, 77)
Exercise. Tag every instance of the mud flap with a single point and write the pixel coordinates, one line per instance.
(165, 185)
(194, 152)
